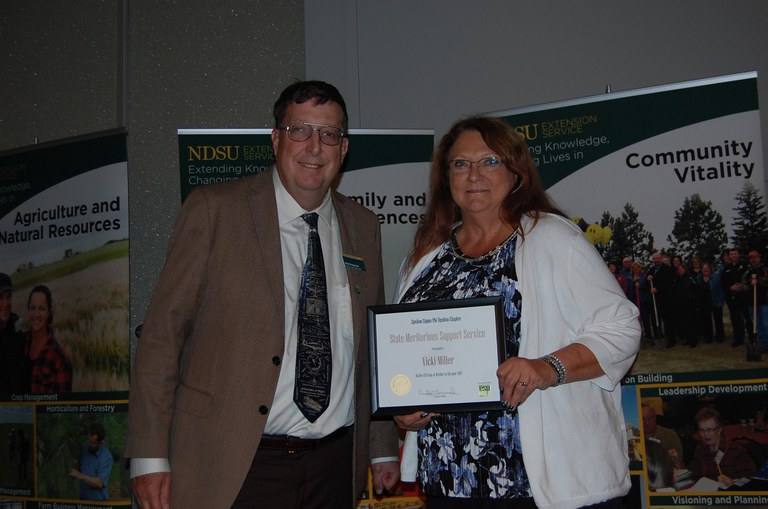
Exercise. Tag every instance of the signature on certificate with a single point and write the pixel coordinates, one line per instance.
(438, 393)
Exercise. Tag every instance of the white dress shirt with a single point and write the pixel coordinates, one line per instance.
(284, 416)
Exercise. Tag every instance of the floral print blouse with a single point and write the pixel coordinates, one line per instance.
(473, 454)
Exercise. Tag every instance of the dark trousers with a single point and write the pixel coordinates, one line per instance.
(656, 324)
(740, 320)
(717, 315)
(314, 479)
(704, 324)
(646, 317)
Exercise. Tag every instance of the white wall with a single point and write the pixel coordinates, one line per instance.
(426, 63)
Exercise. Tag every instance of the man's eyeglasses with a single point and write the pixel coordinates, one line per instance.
(303, 131)
(486, 164)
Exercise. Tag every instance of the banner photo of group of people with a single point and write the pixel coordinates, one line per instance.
(64, 323)
(668, 184)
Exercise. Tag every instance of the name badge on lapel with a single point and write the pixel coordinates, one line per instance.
(353, 262)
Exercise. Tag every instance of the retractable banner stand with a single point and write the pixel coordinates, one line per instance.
(64, 322)
(676, 169)
(386, 170)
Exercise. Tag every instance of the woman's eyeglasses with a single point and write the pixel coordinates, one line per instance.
(485, 164)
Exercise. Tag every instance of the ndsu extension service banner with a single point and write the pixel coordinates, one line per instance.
(650, 148)
(678, 169)
(64, 244)
(386, 170)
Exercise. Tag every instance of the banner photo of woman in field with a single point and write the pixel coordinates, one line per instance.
(49, 364)
(64, 239)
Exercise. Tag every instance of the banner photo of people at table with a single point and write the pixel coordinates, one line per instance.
(668, 184)
(64, 317)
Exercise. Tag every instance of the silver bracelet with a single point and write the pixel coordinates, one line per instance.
(559, 368)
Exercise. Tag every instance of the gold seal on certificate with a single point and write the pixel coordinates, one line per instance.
(400, 384)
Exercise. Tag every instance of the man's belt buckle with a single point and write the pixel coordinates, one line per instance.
(288, 448)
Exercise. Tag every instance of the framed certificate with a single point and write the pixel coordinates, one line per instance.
(436, 356)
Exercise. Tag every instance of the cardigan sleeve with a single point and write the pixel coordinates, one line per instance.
(570, 296)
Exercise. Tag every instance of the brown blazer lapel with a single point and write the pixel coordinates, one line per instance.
(264, 214)
(348, 234)
(360, 238)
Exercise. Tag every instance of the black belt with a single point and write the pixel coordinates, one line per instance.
(293, 445)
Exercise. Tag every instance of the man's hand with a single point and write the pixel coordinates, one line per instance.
(676, 459)
(725, 480)
(153, 491)
(385, 475)
(414, 421)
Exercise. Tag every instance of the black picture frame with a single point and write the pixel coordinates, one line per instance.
(493, 358)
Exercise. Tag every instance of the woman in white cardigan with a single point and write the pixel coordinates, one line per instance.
(570, 335)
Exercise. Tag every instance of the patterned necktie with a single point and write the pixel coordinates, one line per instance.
(313, 351)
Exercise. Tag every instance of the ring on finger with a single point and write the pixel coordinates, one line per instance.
(524, 384)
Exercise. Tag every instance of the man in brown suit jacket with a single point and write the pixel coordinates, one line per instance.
(212, 422)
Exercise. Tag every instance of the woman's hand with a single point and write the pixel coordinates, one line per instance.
(519, 377)
(414, 421)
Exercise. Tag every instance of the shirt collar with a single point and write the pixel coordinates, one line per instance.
(288, 210)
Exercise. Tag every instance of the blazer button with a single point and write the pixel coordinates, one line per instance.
(263, 409)
(276, 360)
